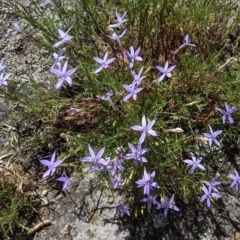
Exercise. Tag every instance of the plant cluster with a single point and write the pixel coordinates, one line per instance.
(172, 84)
(18, 202)
(115, 167)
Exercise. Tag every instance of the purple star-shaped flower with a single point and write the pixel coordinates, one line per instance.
(117, 37)
(63, 75)
(114, 166)
(64, 36)
(212, 185)
(137, 154)
(3, 79)
(166, 71)
(187, 41)
(105, 97)
(124, 210)
(145, 129)
(227, 113)
(58, 56)
(52, 165)
(65, 180)
(116, 181)
(151, 200)
(120, 20)
(133, 56)
(166, 205)
(137, 77)
(208, 195)
(194, 163)
(96, 159)
(17, 28)
(132, 91)
(235, 178)
(212, 136)
(103, 62)
(147, 182)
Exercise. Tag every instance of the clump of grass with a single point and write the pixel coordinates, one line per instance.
(182, 105)
(18, 202)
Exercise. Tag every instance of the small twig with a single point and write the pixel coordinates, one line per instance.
(38, 226)
(180, 48)
(230, 60)
(112, 104)
(6, 155)
(208, 116)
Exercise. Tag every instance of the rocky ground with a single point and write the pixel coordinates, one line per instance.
(86, 211)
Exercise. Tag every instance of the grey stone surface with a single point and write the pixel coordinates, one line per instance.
(85, 211)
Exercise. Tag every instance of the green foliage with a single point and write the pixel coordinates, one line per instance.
(17, 203)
